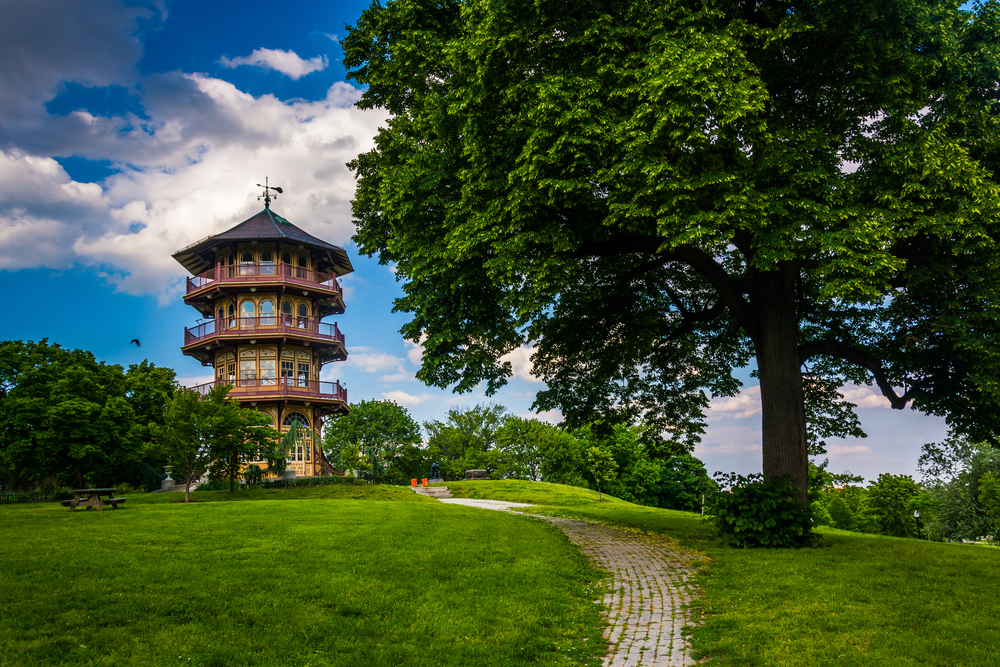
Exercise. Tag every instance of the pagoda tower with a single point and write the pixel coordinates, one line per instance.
(264, 288)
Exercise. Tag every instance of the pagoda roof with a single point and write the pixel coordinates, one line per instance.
(265, 226)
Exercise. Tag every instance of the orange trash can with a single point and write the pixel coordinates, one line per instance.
(413, 482)
(424, 481)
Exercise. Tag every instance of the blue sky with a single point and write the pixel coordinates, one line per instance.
(130, 129)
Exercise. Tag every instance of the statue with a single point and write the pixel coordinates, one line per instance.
(436, 471)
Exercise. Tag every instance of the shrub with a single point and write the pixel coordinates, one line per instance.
(755, 513)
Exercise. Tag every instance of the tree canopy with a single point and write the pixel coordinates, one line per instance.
(656, 193)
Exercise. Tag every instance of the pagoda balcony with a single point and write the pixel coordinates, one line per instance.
(264, 389)
(257, 274)
(272, 326)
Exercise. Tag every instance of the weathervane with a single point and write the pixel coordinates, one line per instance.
(267, 195)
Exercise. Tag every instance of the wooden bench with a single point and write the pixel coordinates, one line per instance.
(66, 503)
(113, 502)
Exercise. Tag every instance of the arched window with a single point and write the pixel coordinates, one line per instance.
(286, 313)
(232, 316)
(266, 263)
(286, 258)
(220, 320)
(247, 314)
(304, 433)
(267, 313)
(296, 417)
(246, 264)
(300, 272)
(303, 316)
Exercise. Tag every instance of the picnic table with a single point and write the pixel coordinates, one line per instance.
(93, 498)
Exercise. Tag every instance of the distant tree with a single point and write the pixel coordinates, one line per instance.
(520, 443)
(890, 500)
(989, 498)
(953, 471)
(683, 483)
(602, 467)
(65, 415)
(562, 459)
(380, 429)
(466, 439)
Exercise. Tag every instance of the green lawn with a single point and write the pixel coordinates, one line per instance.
(857, 600)
(299, 580)
(375, 575)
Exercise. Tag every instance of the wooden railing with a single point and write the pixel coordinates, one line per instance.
(291, 387)
(243, 273)
(269, 325)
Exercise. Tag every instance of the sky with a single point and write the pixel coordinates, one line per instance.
(130, 129)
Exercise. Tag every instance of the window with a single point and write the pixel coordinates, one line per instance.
(286, 312)
(266, 263)
(232, 316)
(231, 372)
(286, 258)
(247, 313)
(304, 434)
(248, 372)
(220, 320)
(303, 375)
(267, 313)
(303, 316)
(300, 272)
(267, 371)
(287, 372)
(246, 263)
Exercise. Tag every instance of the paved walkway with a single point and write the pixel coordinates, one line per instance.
(648, 586)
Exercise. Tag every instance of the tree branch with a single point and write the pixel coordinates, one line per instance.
(835, 348)
(728, 288)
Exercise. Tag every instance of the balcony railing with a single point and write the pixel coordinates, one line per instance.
(244, 273)
(285, 387)
(273, 325)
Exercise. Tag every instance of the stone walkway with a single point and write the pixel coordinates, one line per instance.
(648, 586)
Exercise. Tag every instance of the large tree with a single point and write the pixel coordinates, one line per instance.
(655, 193)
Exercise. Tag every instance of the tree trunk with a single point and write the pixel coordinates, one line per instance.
(79, 475)
(781, 396)
(14, 482)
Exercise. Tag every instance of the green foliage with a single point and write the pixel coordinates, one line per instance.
(684, 484)
(889, 499)
(989, 498)
(749, 512)
(466, 439)
(603, 467)
(953, 471)
(64, 415)
(652, 193)
(382, 430)
(211, 433)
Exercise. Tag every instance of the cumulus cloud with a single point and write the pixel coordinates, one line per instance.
(286, 62)
(520, 361)
(864, 397)
(191, 171)
(414, 352)
(407, 400)
(837, 450)
(371, 360)
(745, 404)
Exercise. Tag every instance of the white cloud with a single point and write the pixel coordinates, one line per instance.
(551, 416)
(864, 397)
(192, 172)
(407, 400)
(402, 376)
(414, 352)
(286, 62)
(745, 404)
(837, 450)
(520, 361)
(195, 380)
(371, 360)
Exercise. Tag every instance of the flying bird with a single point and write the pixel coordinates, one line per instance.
(136, 341)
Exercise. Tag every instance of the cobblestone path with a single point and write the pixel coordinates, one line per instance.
(649, 584)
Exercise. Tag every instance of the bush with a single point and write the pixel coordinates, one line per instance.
(755, 513)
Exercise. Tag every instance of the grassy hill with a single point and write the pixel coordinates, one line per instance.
(856, 600)
(374, 575)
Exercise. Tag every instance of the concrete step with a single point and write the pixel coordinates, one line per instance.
(433, 491)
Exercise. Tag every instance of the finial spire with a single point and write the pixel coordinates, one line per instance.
(266, 194)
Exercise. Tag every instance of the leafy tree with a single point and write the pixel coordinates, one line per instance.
(953, 470)
(890, 499)
(381, 429)
(181, 439)
(683, 484)
(466, 440)
(989, 498)
(65, 415)
(655, 192)
(603, 467)
(520, 447)
(562, 459)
